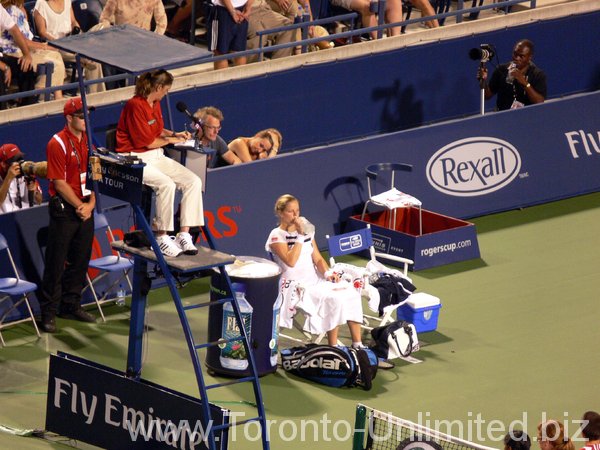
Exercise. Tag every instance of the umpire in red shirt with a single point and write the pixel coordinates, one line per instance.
(71, 229)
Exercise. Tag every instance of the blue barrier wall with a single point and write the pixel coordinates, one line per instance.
(324, 103)
(463, 168)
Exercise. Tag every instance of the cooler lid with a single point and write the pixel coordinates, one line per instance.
(422, 300)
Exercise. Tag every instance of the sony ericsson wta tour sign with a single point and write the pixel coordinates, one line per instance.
(473, 166)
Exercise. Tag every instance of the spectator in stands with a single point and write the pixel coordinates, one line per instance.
(517, 83)
(55, 19)
(426, 10)
(517, 440)
(393, 13)
(264, 144)
(227, 28)
(71, 227)
(140, 13)
(11, 67)
(551, 436)
(262, 17)
(141, 132)
(40, 52)
(591, 430)
(327, 304)
(16, 191)
(290, 9)
(211, 119)
(179, 25)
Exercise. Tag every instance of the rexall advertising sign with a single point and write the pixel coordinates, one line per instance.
(473, 166)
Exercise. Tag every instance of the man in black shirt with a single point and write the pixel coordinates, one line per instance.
(517, 83)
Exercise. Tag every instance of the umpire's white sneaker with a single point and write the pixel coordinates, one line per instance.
(184, 241)
(168, 246)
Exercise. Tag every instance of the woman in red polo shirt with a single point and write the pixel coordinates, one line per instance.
(141, 132)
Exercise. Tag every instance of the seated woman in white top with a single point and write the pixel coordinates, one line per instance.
(55, 19)
(327, 304)
(40, 52)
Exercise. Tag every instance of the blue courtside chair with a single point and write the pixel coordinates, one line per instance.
(112, 263)
(14, 287)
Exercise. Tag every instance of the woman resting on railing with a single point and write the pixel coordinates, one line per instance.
(264, 144)
(40, 52)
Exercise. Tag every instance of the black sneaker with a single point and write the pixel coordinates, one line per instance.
(78, 314)
(48, 324)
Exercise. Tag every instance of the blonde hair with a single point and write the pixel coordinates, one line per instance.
(282, 202)
(554, 432)
(276, 138)
(148, 82)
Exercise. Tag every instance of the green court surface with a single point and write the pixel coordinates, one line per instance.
(517, 341)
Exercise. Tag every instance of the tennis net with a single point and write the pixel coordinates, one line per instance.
(377, 430)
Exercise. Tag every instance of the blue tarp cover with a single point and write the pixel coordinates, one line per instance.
(132, 49)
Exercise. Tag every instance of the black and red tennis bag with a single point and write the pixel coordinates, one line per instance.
(332, 366)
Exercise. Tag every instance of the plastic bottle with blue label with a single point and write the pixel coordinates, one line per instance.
(274, 342)
(299, 14)
(233, 354)
(121, 294)
(305, 13)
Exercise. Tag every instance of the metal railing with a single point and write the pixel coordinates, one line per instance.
(304, 43)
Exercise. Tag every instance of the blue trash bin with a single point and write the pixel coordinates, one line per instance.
(259, 279)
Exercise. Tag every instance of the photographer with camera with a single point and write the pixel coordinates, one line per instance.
(71, 227)
(517, 83)
(18, 189)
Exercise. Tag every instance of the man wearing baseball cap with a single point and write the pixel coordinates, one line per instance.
(71, 229)
(16, 191)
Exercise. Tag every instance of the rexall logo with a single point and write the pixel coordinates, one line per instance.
(473, 166)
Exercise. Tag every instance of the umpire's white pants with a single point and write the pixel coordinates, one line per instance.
(164, 175)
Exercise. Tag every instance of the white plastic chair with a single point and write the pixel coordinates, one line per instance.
(362, 241)
(15, 287)
(359, 241)
(113, 263)
(391, 198)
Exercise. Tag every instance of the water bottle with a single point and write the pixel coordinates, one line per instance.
(374, 6)
(233, 354)
(305, 13)
(307, 227)
(120, 301)
(274, 342)
(299, 14)
(509, 77)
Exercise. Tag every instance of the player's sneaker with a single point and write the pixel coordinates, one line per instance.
(168, 246)
(185, 243)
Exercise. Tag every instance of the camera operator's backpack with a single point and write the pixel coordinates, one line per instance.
(333, 366)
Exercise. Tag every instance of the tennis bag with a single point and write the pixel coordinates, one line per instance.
(397, 339)
(332, 366)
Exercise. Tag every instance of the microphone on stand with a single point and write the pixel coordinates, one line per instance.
(182, 107)
(197, 123)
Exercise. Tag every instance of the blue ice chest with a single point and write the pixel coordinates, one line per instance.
(422, 310)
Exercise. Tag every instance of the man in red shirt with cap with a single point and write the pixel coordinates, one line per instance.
(71, 229)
